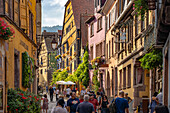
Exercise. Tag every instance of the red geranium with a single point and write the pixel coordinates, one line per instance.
(16, 109)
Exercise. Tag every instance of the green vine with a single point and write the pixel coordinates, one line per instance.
(27, 70)
(152, 60)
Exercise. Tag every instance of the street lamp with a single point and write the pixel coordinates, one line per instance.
(53, 44)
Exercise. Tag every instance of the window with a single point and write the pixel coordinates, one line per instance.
(96, 3)
(138, 78)
(112, 81)
(147, 19)
(91, 52)
(106, 51)
(67, 46)
(123, 4)
(142, 24)
(109, 49)
(118, 41)
(99, 24)
(129, 76)
(124, 78)
(71, 68)
(75, 47)
(113, 16)
(112, 47)
(120, 77)
(41, 71)
(120, 8)
(30, 25)
(109, 20)
(136, 25)
(68, 11)
(99, 50)
(63, 64)
(92, 29)
(63, 49)
(108, 23)
(71, 51)
(67, 62)
(75, 64)
(68, 29)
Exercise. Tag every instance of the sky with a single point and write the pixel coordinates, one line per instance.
(53, 12)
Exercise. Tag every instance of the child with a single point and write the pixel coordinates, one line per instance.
(45, 103)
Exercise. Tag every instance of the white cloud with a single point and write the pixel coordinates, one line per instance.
(55, 2)
(53, 12)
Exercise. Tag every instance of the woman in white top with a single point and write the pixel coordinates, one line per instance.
(60, 107)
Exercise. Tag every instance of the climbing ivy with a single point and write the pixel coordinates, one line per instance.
(152, 60)
(27, 70)
(82, 72)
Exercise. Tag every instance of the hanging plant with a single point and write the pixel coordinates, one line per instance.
(6, 31)
(27, 70)
(152, 60)
(141, 6)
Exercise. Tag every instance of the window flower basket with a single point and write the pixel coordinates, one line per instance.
(67, 52)
(67, 68)
(141, 6)
(64, 56)
(75, 53)
(6, 31)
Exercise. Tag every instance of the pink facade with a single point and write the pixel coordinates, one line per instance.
(96, 41)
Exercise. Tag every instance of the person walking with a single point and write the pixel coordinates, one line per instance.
(72, 103)
(68, 91)
(51, 93)
(160, 97)
(127, 98)
(60, 107)
(83, 91)
(45, 103)
(47, 89)
(86, 106)
(81, 98)
(57, 93)
(154, 102)
(94, 102)
(121, 103)
(105, 104)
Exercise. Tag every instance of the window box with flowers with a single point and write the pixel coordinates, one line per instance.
(6, 31)
(70, 58)
(63, 55)
(141, 7)
(75, 53)
(67, 52)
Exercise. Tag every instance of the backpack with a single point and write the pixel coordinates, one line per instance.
(112, 107)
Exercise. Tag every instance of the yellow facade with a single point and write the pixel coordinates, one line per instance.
(69, 37)
(43, 64)
(22, 41)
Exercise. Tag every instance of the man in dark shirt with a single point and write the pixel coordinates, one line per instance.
(51, 93)
(121, 103)
(85, 107)
(72, 103)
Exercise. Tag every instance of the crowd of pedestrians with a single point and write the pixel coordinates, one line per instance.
(90, 102)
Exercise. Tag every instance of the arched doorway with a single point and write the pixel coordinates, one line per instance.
(108, 84)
